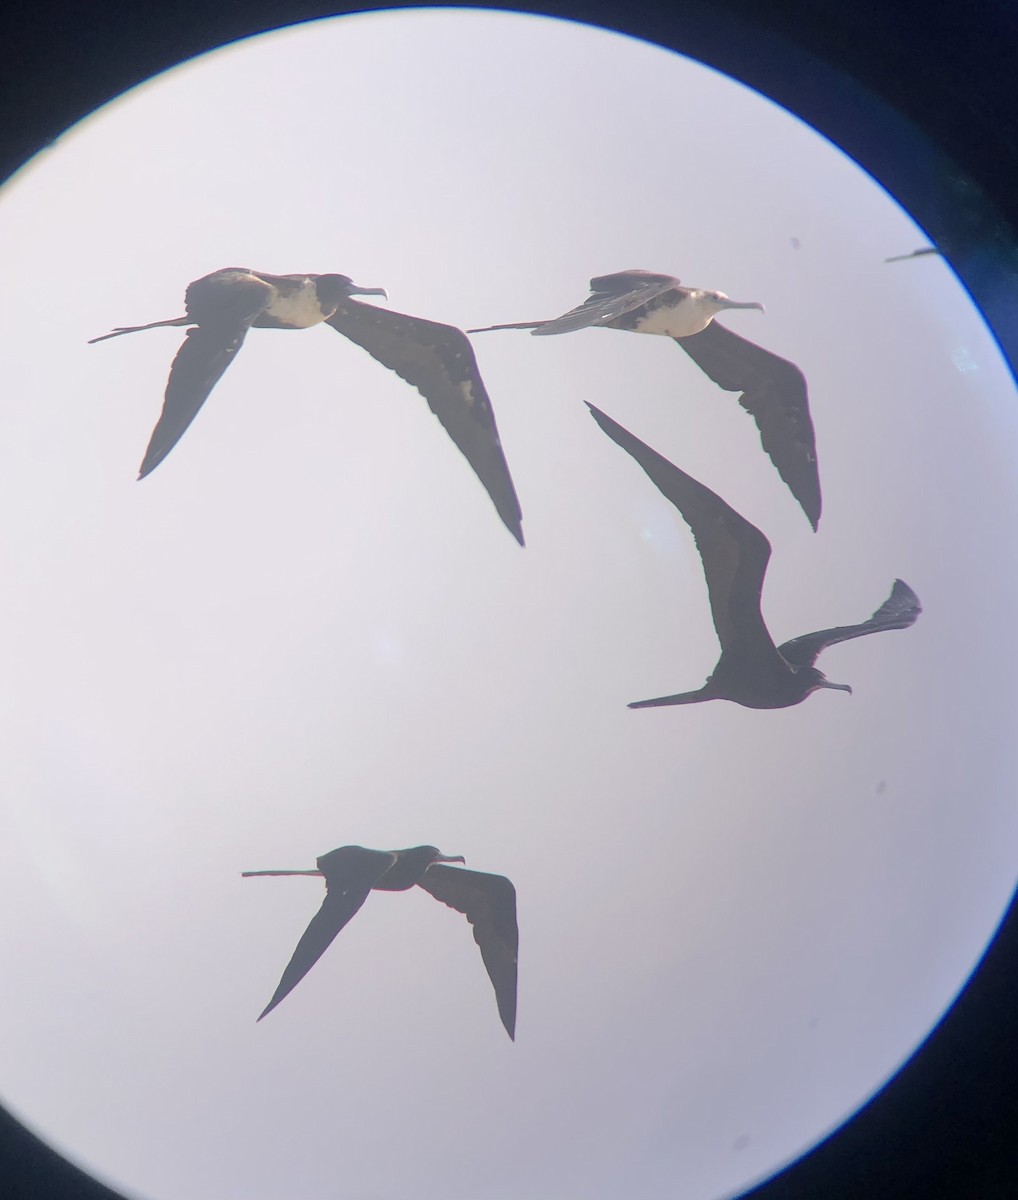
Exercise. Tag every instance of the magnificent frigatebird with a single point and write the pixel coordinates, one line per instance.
(751, 670)
(923, 250)
(437, 359)
(487, 901)
(773, 390)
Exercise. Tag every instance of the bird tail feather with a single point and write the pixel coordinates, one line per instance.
(138, 328)
(516, 325)
(678, 698)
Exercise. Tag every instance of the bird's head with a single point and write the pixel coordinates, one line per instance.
(437, 856)
(333, 288)
(817, 679)
(425, 856)
(718, 301)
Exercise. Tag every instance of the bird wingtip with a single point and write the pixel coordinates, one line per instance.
(268, 1008)
(149, 464)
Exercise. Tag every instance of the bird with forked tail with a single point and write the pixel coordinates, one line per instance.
(436, 359)
(351, 872)
(772, 389)
(752, 670)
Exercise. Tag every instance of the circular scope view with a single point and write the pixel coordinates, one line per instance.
(404, 589)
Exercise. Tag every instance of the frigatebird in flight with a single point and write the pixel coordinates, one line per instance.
(437, 359)
(923, 250)
(487, 901)
(752, 670)
(773, 390)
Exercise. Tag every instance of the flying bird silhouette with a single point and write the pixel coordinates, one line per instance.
(487, 901)
(436, 359)
(773, 390)
(923, 250)
(751, 671)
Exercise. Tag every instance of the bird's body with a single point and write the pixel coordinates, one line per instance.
(638, 302)
(351, 872)
(293, 302)
(752, 670)
(677, 314)
(644, 302)
(772, 389)
(436, 359)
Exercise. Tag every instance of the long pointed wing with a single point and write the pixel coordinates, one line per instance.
(222, 305)
(199, 365)
(350, 873)
(774, 393)
(900, 610)
(735, 554)
(489, 903)
(439, 362)
(608, 302)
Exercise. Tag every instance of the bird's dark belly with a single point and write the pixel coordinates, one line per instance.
(401, 876)
(750, 699)
(756, 681)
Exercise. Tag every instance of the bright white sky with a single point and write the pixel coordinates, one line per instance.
(309, 628)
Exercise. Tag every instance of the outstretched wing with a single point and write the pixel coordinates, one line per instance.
(774, 393)
(900, 610)
(350, 872)
(439, 361)
(224, 305)
(489, 903)
(611, 297)
(734, 553)
(198, 367)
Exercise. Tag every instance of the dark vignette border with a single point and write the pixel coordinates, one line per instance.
(922, 94)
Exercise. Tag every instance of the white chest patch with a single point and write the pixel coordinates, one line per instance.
(680, 320)
(299, 310)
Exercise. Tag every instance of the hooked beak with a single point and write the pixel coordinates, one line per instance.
(451, 858)
(744, 304)
(835, 687)
(353, 290)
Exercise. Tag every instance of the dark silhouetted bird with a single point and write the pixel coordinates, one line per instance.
(487, 901)
(437, 359)
(773, 390)
(751, 670)
(923, 250)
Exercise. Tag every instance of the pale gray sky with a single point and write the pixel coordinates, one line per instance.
(309, 628)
